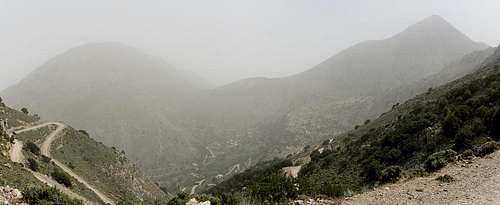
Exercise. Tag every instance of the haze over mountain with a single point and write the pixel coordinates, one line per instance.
(119, 94)
(180, 133)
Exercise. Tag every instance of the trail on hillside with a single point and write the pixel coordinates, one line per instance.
(17, 156)
(476, 182)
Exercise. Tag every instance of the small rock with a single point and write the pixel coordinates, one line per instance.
(420, 190)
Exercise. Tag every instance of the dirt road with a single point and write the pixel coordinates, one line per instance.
(476, 182)
(17, 156)
(16, 152)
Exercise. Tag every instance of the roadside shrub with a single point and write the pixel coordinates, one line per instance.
(495, 129)
(46, 159)
(445, 178)
(33, 165)
(47, 196)
(438, 160)
(205, 197)
(61, 177)
(332, 190)
(466, 155)
(181, 199)
(464, 137)
(390, 174)
(372, 170)
(275, 187)
(487, 148)
(451, 124)
(33, 148)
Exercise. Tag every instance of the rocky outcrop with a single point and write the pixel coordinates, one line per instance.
(11, 196)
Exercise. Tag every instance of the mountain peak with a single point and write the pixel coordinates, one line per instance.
(433, 26)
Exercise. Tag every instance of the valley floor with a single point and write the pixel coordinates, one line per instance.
(476, 182)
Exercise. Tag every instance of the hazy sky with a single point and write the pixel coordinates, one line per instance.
(222, 40)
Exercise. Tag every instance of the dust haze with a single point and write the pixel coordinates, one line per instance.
(221, 41)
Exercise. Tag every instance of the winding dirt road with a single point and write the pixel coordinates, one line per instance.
(17, 156)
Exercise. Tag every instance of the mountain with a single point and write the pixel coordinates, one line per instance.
(186, 137)
(123, 97)
(260, 118)
(454, 121)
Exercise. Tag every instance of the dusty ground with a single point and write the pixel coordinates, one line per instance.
(476, 182)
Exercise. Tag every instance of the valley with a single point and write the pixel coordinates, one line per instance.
(409, 116)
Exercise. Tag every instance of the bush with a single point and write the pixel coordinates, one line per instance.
(390, 174)
(275, 188)
(466, 155)
(61, 177)
(367, 122)
(464, 137)
(205, 197)
(445, 178)
(181, 199)
(332, 190)
(46, 159)
(48, 196)
(487, 148)
(33, 165)
(450, 125)
(438, 160)
(25, 110)
(495, 129)
(33, 148)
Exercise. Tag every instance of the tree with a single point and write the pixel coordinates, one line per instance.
(495, 129)
(33, 148)
(33, 164)
(463, 139)
(451, 124)
(25, 110)
(62, 178)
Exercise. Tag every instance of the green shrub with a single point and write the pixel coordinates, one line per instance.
(445, 178)
(451, 124)
(464, 137)
(61, 177)
(332, 190)
(466, 155)
(275, 187)
(390, 174)
(205, 197)
(46, 159)
(48, 196)
(495, 128)
(487, 148)
(438, 160)
(33, 164)
(33, 148)
(181, 199)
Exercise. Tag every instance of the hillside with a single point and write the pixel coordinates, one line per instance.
(184, 136)
(121, 96)
(456, 121)
(260, 118)
(103, 168)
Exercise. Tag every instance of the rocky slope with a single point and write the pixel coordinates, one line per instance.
(471, 182)
(101, 167)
